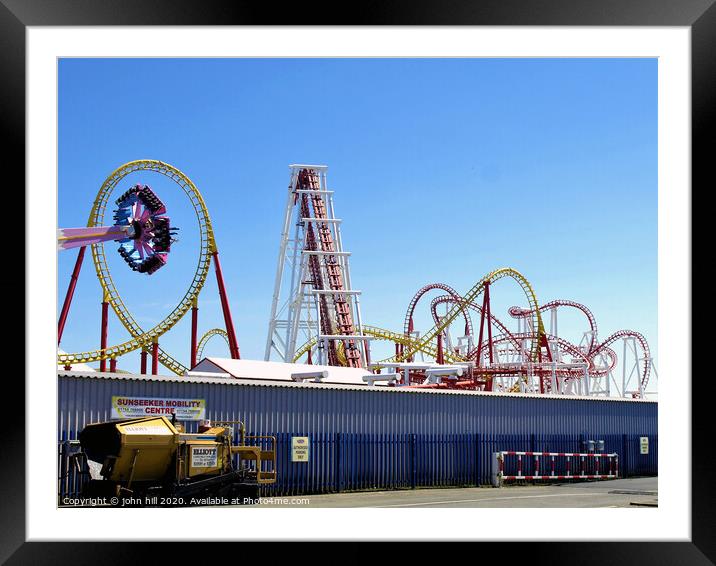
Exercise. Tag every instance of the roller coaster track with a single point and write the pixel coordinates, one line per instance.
(642, 342)
(595, 349)
(206, 337)
(566, 346)
(425, 343)
(519, 312)
(308, 180)
(495, 321)
(515, 339)
(469, 297)
(141, 338)
(408, 323)
(380, 334)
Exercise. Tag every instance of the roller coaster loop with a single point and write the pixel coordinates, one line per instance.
(207, 251)
(472, 294)
(206, 337)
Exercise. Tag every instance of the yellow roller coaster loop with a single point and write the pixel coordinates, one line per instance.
(427, 339)
(140, 337)
(205, 338)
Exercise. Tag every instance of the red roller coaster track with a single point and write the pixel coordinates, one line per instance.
(482, 352)
(308, 180)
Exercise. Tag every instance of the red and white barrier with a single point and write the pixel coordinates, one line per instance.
(600, 463)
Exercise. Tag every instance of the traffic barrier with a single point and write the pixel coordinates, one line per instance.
(589, 466)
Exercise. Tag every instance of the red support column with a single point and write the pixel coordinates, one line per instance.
(112, 364)
(482, 327)
(194, 325)
(233, 343)
(70, 294)
(441, 357)
(309, 360)
(143, 362)
(488, 321)
(103, 336)
(155, 358)
(488, 318)
(544, 342)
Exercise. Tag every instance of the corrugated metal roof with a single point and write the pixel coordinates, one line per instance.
(279, 371)
(378, 389)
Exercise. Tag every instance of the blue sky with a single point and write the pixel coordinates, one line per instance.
(444, 169)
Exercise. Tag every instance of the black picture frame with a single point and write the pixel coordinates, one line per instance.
(699, 15)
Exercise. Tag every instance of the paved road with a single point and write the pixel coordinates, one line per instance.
(632, 492)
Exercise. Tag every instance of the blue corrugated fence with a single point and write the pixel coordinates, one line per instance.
(378, 438)
(354, 462)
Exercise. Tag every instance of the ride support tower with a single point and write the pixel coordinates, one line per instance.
(313, 300)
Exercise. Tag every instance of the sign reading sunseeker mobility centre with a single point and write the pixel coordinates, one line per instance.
(134, 407)
(300, 448)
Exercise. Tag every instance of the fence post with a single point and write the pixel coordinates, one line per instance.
(63, 470)
(496, 465)
(337, 456)
(625, 462)
(413, 471)
(477, 459)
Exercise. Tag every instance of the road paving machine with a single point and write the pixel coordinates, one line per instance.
(152, 456)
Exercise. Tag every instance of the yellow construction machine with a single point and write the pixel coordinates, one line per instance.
(152, 456)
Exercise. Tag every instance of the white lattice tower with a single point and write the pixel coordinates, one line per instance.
(632, 366)
(313, 298)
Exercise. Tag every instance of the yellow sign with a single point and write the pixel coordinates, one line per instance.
(644, 444)
(133, 407)
(300, 448)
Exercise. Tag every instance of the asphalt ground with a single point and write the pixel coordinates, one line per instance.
(632, 492)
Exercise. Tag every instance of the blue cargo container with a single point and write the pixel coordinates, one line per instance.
(378, 437)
